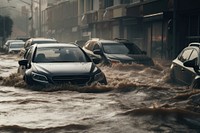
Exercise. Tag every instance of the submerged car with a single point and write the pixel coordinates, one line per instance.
(15, 47)
(32, 41)
(110, 52)
(6, 45)
(185, 68)
(59, 63)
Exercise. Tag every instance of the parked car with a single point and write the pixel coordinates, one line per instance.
(111, 51)
(15, 47)
(185, 69)
(32, 41)
(59, 63)
(6, 45)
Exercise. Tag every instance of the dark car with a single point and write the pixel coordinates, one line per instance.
(111, 51)
(185, 68)
(32, 41)
(59, 63)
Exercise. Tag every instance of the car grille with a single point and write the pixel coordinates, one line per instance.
(73, 80)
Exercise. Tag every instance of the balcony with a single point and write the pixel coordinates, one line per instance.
(115, 12)
(89, 17)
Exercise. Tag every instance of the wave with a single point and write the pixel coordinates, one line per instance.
(70, 127)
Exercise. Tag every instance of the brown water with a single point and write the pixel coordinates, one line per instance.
(136, 99)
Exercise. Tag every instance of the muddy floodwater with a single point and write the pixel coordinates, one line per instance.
(137, 99)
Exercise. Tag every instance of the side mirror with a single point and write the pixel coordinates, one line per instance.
(98, 51)
(23, 62)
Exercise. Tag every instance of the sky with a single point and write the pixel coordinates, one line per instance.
(15, 7)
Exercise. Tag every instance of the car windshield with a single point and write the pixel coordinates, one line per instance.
(59, 54)
(120, 48)
(17, 45)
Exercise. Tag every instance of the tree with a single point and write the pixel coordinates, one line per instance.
(6, 26)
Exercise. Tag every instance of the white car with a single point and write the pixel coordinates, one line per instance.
(6, 45)
(15, 47)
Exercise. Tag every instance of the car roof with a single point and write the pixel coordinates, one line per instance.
(56, 45)
(194, 44)
(19, 42)
(42, 39)
(103, 41)
(14, 41)
(108, 41)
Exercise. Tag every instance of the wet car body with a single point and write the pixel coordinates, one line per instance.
(53, 70)
(110, 52)
(185, 68)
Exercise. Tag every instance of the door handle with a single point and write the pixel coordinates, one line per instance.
(182, 69)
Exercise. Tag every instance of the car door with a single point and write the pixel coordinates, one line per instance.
(188, 72)
(28, 56)
(179, 68)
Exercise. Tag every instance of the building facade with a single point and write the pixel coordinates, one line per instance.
(160, 27)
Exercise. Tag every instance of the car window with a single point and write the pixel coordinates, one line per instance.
(194, 55)
(59, 54)
(185, 55)
(133, 48)
(115, 48)
(29, 54)
(17, 45)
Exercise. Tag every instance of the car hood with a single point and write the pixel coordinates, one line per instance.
(64, 68)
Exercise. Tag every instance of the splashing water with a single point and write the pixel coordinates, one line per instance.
(136, 99)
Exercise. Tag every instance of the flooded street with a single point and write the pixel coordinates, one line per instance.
(136, 99)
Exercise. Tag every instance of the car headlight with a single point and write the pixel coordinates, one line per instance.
(39, 77)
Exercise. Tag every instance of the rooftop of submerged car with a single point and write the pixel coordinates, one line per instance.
(196, 44)
(102, 40)
(40, 38)
(56, 45)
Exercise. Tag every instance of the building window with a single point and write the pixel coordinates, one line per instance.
(108, 3)
(89, 5)
(125, 1)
